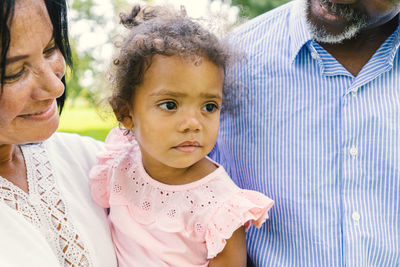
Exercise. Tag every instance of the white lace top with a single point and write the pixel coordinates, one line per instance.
(47, 210)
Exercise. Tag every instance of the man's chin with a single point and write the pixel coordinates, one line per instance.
(326, 28)
(322, 35)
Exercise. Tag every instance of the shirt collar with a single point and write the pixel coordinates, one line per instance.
(395, 44)
(298, 32)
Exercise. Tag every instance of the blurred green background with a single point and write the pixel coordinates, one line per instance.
(93, 33)
(86, 120)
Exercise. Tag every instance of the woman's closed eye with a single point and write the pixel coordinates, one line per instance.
(210, 107)
(168, 105)
(9, 78)
(49, 51)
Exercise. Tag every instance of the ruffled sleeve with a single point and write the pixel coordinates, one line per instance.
(243, 208)
(101, 173)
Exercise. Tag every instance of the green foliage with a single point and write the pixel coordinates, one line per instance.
(87, 62)
(84, 8)
(121, 5)
(253, 8)
(82, 63)
(86, 120)
(83, 60)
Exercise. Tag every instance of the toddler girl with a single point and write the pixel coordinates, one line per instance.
(170, 205)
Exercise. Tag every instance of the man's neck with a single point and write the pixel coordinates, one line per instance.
(355, 53)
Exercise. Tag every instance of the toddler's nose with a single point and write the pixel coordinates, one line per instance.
(190, 123)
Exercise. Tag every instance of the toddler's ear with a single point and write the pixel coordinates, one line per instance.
(125, 117)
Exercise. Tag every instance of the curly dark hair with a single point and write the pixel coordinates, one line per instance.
(157, 30)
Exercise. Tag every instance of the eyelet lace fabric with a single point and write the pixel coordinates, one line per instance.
(202, 214)
(45, 209)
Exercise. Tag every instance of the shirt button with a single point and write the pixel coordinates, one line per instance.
(356, 216)
(34, 200)
(353, 151)
(314, 55)
(354, 92)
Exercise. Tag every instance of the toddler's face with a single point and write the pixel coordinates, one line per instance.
(175, 112)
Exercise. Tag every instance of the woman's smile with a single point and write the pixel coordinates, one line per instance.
(44, 114)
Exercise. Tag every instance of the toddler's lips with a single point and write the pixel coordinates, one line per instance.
(188, 146)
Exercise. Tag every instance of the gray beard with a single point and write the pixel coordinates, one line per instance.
(357, 21)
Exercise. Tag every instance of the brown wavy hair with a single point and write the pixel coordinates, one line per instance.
(156, 30)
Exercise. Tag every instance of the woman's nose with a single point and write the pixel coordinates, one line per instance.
(190, 122)
(48, 78)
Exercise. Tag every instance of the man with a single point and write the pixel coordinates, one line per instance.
(317, 129)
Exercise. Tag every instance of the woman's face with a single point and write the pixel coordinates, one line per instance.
(32, 81)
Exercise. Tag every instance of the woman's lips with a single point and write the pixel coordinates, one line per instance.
(188, 146)
(43, 114)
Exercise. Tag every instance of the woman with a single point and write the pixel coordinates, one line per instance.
(47, 215)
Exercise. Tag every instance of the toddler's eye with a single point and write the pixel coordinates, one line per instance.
(210, 107)
(170, 105)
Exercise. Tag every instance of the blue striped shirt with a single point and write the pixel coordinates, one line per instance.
(325, 145)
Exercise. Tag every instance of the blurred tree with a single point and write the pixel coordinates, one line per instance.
(85, 81)
(121, 5)
(82, 63)
(253, 8)
(90, 19)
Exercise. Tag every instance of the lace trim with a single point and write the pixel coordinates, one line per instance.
(44, 208)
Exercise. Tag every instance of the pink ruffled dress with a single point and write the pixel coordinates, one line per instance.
(155, 224)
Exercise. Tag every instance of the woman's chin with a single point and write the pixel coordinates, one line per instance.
(42, 133)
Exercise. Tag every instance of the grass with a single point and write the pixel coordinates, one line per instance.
(86, 120)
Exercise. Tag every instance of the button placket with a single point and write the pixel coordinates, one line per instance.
(354, 92)
(356, 217)
(353, 151)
